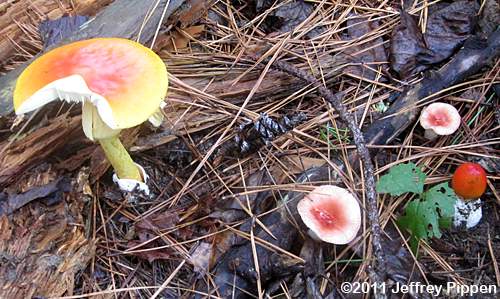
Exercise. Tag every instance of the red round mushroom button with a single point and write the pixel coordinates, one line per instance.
(469, 181)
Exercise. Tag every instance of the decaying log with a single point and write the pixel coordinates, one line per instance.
(26, 152)
(234, 276)
(475, 55)
(122, 18)
(43, 245)
(15, 15)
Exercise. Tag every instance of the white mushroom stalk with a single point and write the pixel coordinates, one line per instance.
(468, 213)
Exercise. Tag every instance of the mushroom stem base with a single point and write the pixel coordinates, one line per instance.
(430, 134)
(120, 159)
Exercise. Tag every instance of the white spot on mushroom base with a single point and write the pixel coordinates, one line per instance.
(130, 185)
(467, 213)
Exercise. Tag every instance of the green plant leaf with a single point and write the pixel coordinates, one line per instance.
(402, 178)
(424, 217)
(444, 198)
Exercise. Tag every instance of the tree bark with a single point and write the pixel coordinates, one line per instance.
(17, 16)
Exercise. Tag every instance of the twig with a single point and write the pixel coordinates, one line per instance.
(359, 140)
(168, 280)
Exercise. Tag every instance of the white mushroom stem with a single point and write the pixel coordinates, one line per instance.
(467, 213)
(430, 134)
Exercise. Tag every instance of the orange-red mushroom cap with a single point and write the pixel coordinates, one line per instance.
(332, 213)
(469, 181)
(124, 80)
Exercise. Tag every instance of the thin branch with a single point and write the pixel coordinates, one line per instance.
(359, 140)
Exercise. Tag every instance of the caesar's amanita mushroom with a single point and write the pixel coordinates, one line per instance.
(469, 183)
(439, 119)
(331, 213)
(120, 84)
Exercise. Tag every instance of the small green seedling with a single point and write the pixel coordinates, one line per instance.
(380, 107)
(429, 212)
(342, 135)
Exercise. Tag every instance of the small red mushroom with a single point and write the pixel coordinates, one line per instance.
(439, 119)
(469, 181)
(331, 213)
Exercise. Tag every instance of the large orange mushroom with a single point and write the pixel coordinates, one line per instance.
(120, 84)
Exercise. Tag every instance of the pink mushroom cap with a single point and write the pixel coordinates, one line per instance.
(331, 213)
(441, 118)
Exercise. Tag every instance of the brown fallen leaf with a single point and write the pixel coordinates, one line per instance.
(149, 254)
(148, 228)
(490, 16)
(370, 53)
(179, 39)
(406, 43)
(299, 164)
(447, 29)
(200, 258)
(157, 222)
(194, 10)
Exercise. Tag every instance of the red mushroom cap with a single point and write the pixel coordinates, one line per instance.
(441, 118)
(469, 181)
(332, 213)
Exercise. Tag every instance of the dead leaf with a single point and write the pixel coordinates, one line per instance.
(179, 39)
(290, 15)
(157, 222)
(149, 254)
(406, 43)
(10, 203)
(147, 229)
(299, 164)
(447, 29)
(192, 11)
(369, 53)
(200, 258)
(490, 16)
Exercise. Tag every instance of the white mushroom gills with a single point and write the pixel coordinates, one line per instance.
(331, 213)
(439, 119)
